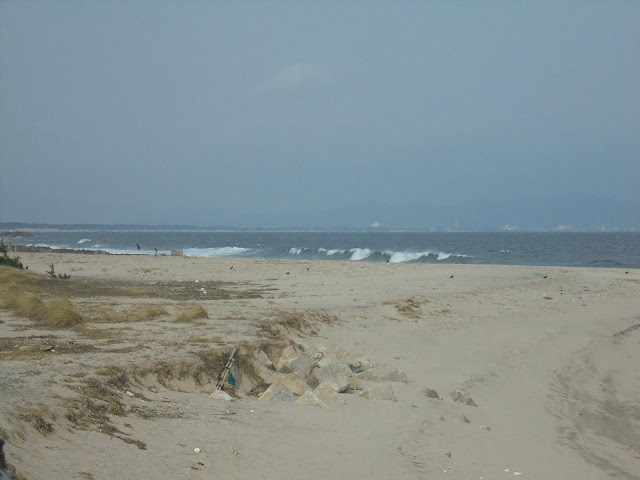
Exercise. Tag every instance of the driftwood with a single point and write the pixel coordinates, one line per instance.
(225, 371)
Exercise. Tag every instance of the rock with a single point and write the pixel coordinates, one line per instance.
(277, 392)
(463, 419)
(264, 360)
(294, 384)
(462, 397)
(310, 398)
(379, 392)
(327, 394)
(355, 383)
(336, 374)
(333, 354)
(370, 375)
(287, 354)
(302, 365)
(267, 375)
(358, 362)
(431, 393)
(396, 376)
(221, 395)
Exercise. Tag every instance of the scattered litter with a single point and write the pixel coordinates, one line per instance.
(236, 452)
(517, 474)
(197, 450)
(129, 393)
(506, 469)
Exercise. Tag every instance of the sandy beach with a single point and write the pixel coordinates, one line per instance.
(454, 371)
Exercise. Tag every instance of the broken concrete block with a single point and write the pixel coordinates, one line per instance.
(310, 398)
(355, 383)
(431, 393)
(294, 384)
(336, 374)
(370, 375)
(263, 359)
(396, 375)
(462, 397)
(333, 354)
(277, 392)
(358, 362)
(221, 395)
(302, 365)
(267, 375)
(287, 354)
(379, 392)
(327, 394)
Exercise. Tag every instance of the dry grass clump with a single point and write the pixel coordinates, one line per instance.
(193, 312)
(54, 313)
(104, 315)
(140, 314)
(8, 274)
(295, 322)
(145, 313)
(37, 418)
(62, 313)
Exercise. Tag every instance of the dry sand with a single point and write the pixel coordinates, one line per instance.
(550, 356)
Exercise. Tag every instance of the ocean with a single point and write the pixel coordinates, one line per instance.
(601, 249)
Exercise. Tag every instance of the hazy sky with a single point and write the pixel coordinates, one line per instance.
(223, 112)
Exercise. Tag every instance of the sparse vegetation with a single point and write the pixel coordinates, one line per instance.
(38, 418)
(52, 273)
(6, 260)
(192, 312)
(54, 313)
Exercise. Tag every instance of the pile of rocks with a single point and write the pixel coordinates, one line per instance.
(320, 376)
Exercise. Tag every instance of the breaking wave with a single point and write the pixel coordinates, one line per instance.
(362, 253)
(84, 240)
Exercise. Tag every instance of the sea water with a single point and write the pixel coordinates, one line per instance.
(584, 249)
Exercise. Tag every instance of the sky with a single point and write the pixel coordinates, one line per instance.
(282, 112)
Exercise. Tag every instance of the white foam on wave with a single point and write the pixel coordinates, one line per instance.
(84, 240)
(360, 253)
(47, 245)
(402, 257)
(334, 251)
(215, 252)
(295, 251)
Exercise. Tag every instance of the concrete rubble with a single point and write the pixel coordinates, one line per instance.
(320, 376)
